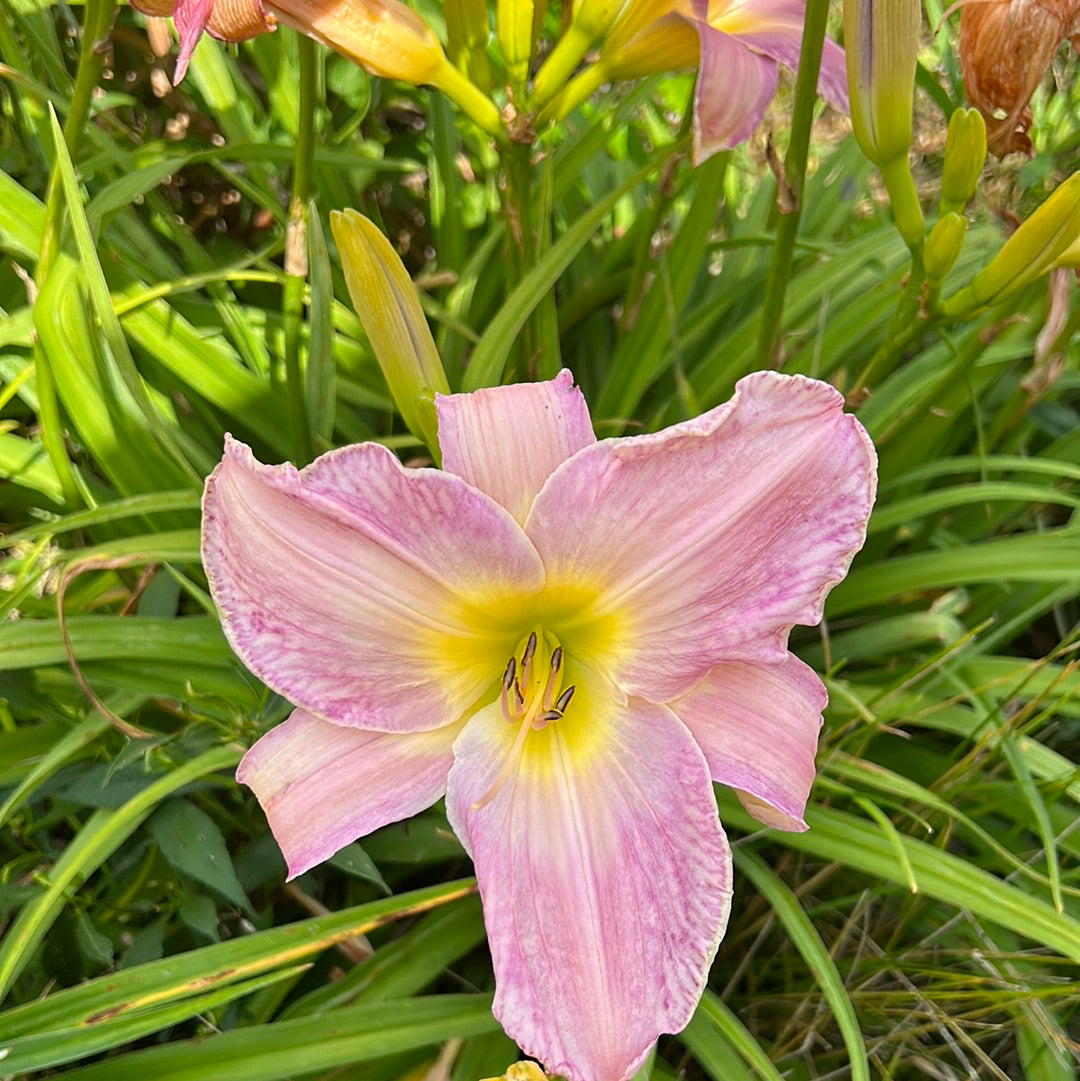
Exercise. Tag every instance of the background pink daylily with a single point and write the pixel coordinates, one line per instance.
(657, 576)
(740, 44)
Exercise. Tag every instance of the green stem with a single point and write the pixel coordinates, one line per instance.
(518, 205)
(572, 95)
(560, 64)
(469, 99)
(296, 268)
(793, 182)
(97, 19)
(904, 201)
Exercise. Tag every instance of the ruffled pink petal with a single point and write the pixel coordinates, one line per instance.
(708, 541)
(734, 87)
(354, 587)
(507, 441)
(605, 878)
(758, 725)
(190, 18)
(775, 28)
(322, 785)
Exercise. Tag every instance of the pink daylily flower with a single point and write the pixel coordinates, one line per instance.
(570, 640)
(740, 44)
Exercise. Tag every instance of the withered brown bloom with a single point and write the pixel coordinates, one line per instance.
(1005, 48)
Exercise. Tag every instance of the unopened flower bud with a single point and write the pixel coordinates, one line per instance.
(1044, 241)
(514, 30)
(965, 154)
(943, 246)
(385, 300)
(881, 44)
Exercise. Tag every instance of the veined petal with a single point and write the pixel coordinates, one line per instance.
(605, 877)
(190, 18)
(158, 8)
(775, 28)
(359, 589)
(711, 539)
(323, 785)
(758, 725)
(734, 87)
(507, 441)
(238, 20)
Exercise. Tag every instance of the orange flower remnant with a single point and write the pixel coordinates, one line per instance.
(1005, 49)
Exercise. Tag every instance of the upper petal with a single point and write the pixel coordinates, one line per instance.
(605, 878)
(734, 87)
(712, 538)
(353, 587)
(323, 785)
(758, 725)
(507, 441)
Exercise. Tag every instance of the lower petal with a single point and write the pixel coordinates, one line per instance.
(190, 18)
(605, 877)
(323, 785)
(758, 725)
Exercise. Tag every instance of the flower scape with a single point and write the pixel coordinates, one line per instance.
(568, 639)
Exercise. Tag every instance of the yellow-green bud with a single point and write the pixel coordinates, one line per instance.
(514, 31)
(1044, 241)
(943, 246)
(385, 300)
(881, 44)
(965, 153)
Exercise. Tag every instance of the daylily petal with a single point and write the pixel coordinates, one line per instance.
(323, 785)
(361, 590)
(238, 20)
(604, 873)
(507, 441)
(642, 43)
(758, 725)
(734, 87)
(159, 8)
(775, 28)
(190, 18)
(711, 539)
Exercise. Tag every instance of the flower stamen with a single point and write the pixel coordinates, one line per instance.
(523, 703)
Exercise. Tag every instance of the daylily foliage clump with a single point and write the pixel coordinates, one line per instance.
(569, 639)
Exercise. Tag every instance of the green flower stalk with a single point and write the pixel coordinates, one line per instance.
(965, 154)
(881, 44)
(385, 300)
(1046, 240)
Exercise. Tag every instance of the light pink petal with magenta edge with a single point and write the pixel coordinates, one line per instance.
(605, 878)
(711, 539)
(344, 586)
(734, 87)
(322, 786)
(506, 441)
(775, 28)
(758, 725)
